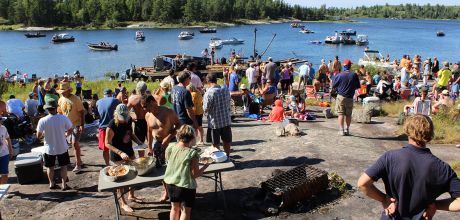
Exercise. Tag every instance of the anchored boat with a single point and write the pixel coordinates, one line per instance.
(207, 30)
(62, 38)
(362, 40)
(140, 36)
(34, 35)
(184, 35)
(102, 47)
(232, 41)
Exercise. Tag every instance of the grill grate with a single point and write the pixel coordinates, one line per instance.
(296, 184)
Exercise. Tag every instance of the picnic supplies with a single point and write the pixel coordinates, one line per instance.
(144, 165)
(116, 173)
(29, 167)
(215, 154)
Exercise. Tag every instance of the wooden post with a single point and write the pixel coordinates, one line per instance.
(255, 40)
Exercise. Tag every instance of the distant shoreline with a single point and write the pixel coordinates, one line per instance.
(149, 24)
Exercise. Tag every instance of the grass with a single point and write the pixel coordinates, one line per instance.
(446, 127)
(456, 166)
(97, 87)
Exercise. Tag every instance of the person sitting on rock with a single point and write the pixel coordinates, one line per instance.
(444, 102)
(421, 105)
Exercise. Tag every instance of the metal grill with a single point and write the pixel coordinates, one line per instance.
(296, 184)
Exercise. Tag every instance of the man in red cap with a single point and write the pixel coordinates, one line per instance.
(346, 84)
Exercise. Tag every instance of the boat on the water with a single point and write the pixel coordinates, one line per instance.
(440, 34)
(185, 35)
(362, 40)
(316, 42)
(306, 31)
(216, 44)
(140, 36)
(102, 47)
(62, 38)
(374, 58)
(347, 39)
(35, 35)
(336, 39)
(297, 25)
(349, 32)
(207, 30)
(232, 41)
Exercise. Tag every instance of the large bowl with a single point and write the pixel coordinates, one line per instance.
(143, 165)
(114, 178)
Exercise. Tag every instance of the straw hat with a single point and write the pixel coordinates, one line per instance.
(445, 92)
(63, 87)
(243, 87)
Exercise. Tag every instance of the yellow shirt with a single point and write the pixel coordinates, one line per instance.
(197, 100)
(72, 108)
(444, 77)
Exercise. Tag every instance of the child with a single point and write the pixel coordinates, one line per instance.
(6, 152)
(181, 172)
(294, 110)
(277, 113)
(197, 100)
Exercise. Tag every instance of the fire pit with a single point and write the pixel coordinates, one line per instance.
(296, 184)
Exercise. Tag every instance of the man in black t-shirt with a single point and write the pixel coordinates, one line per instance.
(413, 177)
(182, 100)
(456, 83)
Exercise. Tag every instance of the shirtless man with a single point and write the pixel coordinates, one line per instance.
(162, 124)
(138, 113)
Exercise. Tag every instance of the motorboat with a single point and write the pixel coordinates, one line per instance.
(102, 47)
(336, 39)
(185, 36)
(232, 41)
(297, 25)
(140, 36)
(62, 38)
(216, 44)
(35, 35)
(374, 58)
(207, 30)
(347, 39)
(440, 34)
(362, 40)
(306, 31)
(316, 42)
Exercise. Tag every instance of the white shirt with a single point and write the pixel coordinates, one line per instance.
(3, 143)
(15, 106)
(304, 70)
(54, 127)
(251, 75)
(31, 107)
(196, 81)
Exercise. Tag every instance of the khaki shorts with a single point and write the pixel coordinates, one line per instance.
(344, 106)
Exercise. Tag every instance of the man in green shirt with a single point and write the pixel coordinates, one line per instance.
(444, 76)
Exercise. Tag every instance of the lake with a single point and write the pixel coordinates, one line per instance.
(395, 37)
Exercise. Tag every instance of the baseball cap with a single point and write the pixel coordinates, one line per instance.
(50, 104)
(31, 94)
(243, 87)
(347, 62)
(122, 112)
(107, 91)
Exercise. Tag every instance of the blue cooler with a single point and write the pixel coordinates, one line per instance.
(29, 167)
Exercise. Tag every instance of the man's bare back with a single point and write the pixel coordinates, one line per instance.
(134, 102)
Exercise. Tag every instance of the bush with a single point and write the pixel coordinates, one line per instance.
(336, 182)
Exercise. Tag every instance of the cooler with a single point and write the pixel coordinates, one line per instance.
(29, 167)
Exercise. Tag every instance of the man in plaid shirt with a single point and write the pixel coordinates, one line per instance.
(216, 104)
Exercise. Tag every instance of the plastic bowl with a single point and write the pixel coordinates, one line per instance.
(115, 178)
(143, 165)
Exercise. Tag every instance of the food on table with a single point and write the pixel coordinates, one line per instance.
(120, 170)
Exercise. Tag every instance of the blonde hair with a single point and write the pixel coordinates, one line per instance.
(185, 133)
(419, 128)
(192, 88)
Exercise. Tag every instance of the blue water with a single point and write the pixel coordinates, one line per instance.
(396, 37)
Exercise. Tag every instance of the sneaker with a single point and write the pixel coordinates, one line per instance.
(342, 133)
(347, 133)
(77, 169)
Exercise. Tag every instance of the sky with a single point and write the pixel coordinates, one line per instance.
(354, 3)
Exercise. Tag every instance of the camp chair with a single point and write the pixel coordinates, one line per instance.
(236, 100)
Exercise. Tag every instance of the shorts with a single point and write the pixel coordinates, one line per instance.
(75, 136)
(102, 140)
(50, 160)
(440, 88)
(4, 161)
(344, 105)
(215, 135)
(199, 120)
(186, 122)
(78, 91)
(140, 129)
(183, 195)
(455, 88)
(253, 86)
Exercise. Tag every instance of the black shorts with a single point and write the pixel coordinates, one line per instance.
(140, 129)
(214, 135)
(182, 195)
(50, 160)
(199, 120)
(440, 88)
(78, 91)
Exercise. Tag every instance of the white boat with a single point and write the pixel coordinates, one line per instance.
(216, 44)
(374, 58)
(232, 41)
(336, 39)
(185, 36)
(362, 40)
(306, 31)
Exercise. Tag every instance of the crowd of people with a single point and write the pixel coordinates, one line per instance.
(170, 121)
